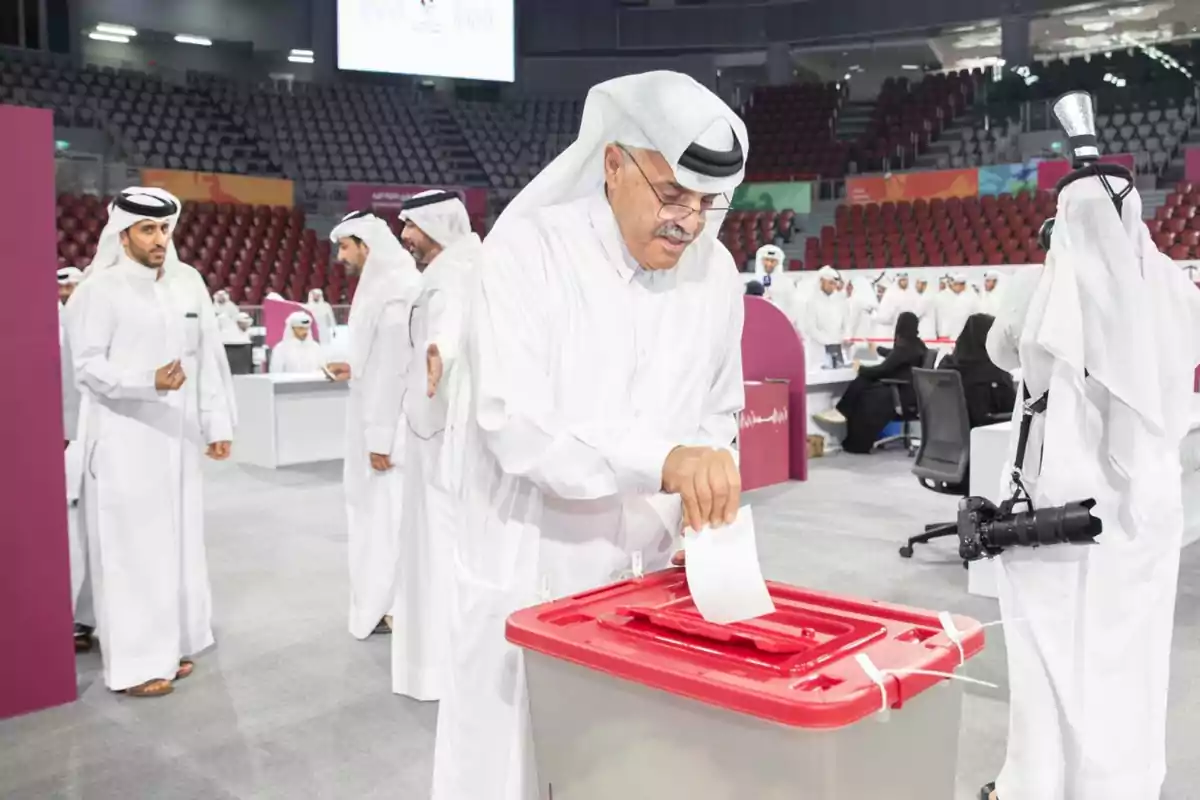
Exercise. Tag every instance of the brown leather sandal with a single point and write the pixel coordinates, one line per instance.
(154, 688)
(186, 667)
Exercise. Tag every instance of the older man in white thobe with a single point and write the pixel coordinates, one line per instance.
(437, 231)
(158, 393)
(606, 364)
(1108, 333)
(375, 429)
(297, 351)
(323, 315)
(960, 302)
(990, 297)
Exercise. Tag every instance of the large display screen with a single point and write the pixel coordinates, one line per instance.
(440, 38)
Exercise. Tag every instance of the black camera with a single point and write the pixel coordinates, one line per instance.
(986, 530)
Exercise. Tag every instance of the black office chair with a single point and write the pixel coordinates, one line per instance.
(907, 413)
(943, 462)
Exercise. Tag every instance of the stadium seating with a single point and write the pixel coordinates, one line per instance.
(967, 231)
(745, 231)
(1176, 223)
(792, 128)
(513, 141)
(249, 250)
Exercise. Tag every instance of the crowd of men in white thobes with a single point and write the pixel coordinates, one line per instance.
(833, 311)
(538, 414)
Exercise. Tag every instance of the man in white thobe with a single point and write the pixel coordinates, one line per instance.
(861, 307)
(81, 592)
(223, 306)
(926, 309)
(824, 319)
(960, 303)
(375, 429)
(606, 365)
(1109, 330)
(297, 351)
(149, 359)
(437, 231)
(989, 298)
(898, 298)
(323, 315)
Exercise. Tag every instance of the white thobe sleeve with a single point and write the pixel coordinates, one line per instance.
(215, 387)
(1004, 338)
(727, 398)
(444, 325)
(383, 379)
(514, 394)
(90, 328)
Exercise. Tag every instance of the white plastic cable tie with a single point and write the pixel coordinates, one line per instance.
(873, 672)
(638, 570)
(954, 633)
(954, 676)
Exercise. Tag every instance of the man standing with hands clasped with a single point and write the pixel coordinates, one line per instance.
(375, 431)
(147, 353)
(605, 356)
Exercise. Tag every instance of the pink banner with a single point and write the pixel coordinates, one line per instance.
(37, 669)
(361, 196)
(1191, 163)
(1051, 171)
(763, 435)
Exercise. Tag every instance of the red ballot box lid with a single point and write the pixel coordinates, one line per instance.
(796, 666)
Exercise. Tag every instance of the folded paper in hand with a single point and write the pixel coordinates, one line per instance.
(723, 574)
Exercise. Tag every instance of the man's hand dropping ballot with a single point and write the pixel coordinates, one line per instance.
(723, 573)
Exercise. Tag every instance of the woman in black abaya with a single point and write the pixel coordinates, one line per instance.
(868, 405)
(989, 390)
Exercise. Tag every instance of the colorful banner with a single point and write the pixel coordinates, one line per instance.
(1191, 163)
(1009, 178)
(361, 196)
(913, 186)
(1050, 172)
(219, 188)
(796, 195)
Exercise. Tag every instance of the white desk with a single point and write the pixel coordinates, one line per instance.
(989, 451)
(289, 419)
(823, 389)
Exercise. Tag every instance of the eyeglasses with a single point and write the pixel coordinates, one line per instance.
(677, 212)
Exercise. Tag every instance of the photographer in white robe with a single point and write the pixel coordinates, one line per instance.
(989, 298)
(323, 315)
(777, 287)
(606, 367)
(437, 231)
(1109, 331)
(297, 351)
(148, 356)
(375, 429)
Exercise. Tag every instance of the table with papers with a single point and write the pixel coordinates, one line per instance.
(289, 419)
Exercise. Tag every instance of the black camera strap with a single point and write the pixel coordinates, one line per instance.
(1029, 409)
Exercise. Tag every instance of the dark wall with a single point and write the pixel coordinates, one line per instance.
(572, 77)
(268, 24)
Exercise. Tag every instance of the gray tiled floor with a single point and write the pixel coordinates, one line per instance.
(289, 706)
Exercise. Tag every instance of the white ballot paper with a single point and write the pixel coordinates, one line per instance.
(723, 574)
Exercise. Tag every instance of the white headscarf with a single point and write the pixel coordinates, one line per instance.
(389, 275)
(316, 296)
(297, 319)
(1102, 277)
(109, 249)
(666, 112)
(445, 221)
(765, 252)
(69, 276)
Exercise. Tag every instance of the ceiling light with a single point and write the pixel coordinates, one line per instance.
(187, 38)
(846, 77)
(300, 59)
(108, 37)
(909, 66)
(116, 30)
(1097, 27)
(299, 52)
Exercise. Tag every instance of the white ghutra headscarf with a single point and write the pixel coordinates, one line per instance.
(440, 215)
(390, 275)
(701, 138)
(133, 205)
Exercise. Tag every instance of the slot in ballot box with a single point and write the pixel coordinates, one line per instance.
(633, 694)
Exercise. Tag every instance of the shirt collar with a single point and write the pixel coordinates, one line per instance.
(138, 271)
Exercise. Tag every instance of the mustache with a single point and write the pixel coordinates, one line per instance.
(671, 230)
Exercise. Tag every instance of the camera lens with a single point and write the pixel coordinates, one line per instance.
(1072, 523)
